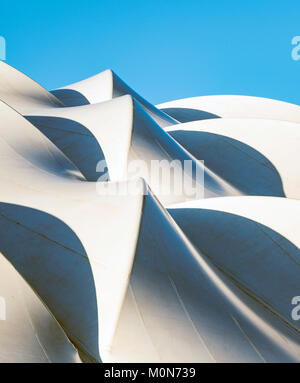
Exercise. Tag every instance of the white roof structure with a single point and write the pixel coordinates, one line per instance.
(127, 269)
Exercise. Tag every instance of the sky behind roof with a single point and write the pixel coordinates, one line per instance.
(164, 49)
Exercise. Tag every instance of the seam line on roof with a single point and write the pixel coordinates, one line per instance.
(41, 235)
(42, 126)
(34, 330)
(190, 319)
(141, 318)
(248, 338)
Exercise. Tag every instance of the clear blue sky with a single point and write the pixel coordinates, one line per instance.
(165, 49)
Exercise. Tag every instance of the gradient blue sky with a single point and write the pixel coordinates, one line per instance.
(164, 49)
